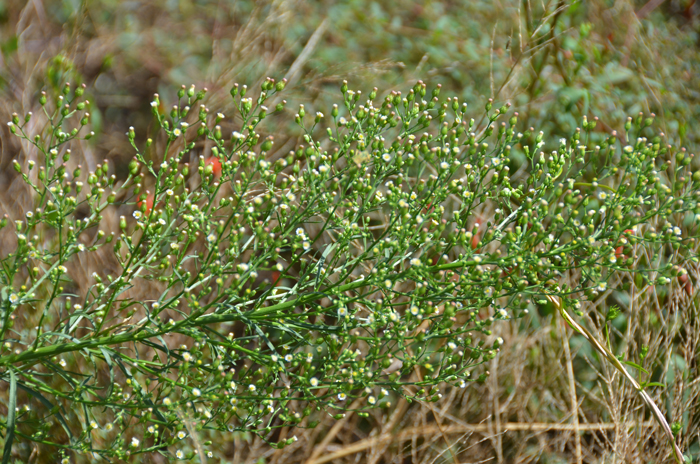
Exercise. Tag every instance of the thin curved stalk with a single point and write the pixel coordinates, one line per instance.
(602, 349)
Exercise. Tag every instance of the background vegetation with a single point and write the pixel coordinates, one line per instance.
(554, 61)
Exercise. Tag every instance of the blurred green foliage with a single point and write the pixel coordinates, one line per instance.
(555, 61)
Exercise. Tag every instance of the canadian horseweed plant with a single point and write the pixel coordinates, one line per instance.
(257, 291)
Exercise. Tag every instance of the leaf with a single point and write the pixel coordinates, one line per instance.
(11, 416)
(108, 359)
(614, 75)
(652, 384)
(50, 406)
(636, 366)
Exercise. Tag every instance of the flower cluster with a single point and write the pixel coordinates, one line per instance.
(386, 278)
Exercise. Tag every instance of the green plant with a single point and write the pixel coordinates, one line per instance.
(250, 294)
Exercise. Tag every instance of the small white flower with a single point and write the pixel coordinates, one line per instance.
(238, 135)
(313, 381)
(169, 192)
(181, 434)
(135, 442)
(602, 196)
(109, 427)
(415, 262)
(414, 310)
(290, 196)
(137, 215)
(386, 157)
(342, 396)
(187, 356)
(602, 286)
(62, 362)
(251, 388)
(211, 238)
(167, 401)
(179, 454)
(177, 132)
(93, 424)
(444, 165)
(288, 358)
(151, 429)
(300, 232)
(14, 298)
(196, 392)
(371, 400)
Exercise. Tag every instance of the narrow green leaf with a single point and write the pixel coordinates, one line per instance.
(636, 366)
(49, 405)
(11, 416)
(108, 360)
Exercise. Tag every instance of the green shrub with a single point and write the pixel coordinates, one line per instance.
(246, 294)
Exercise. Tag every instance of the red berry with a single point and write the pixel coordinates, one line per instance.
(686, 283)
(477, 233)
(215, 165)
(149, 204)
(618, 253)
(475, 240)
